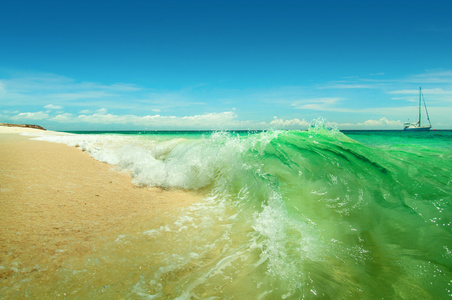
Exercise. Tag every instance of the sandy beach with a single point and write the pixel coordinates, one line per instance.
(58, 202)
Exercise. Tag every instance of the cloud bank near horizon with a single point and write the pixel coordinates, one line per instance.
(102, 120)
(60, 102)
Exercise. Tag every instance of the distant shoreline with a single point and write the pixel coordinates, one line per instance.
(23, 126)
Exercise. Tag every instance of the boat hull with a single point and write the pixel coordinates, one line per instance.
(417, 129)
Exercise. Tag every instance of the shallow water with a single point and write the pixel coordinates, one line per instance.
(285, 214)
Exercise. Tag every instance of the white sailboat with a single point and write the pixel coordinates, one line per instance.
(418, 126)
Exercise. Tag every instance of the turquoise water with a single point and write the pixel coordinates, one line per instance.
(285, 215)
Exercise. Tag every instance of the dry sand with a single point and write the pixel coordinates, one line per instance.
(56, 202)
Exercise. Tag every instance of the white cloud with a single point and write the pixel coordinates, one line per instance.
(213, 121)
(46, 81)
(79, 95)
(42, 88)
(382, 122)
(51, 106)
(10, 112)
(292, 123)
(436, 91)
(31, 116)
(432, 76)
(350, 86)
(320, 104)
(63, 118)
(210, 120)
(436, 96)
(116, 87)
(169, 100)
(31, 82)
(102, 111)
(324, 100)
(223, 120)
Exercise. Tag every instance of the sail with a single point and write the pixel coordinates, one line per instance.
(418, 125)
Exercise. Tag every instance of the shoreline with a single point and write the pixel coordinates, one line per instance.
(57, 202)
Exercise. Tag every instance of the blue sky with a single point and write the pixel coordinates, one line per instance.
(99, 65)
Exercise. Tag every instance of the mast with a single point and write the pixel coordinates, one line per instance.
(420, 106)
(426, 111)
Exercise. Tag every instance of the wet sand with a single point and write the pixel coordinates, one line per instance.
(57, 202)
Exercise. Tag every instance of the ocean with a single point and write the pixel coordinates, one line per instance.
(316, 214)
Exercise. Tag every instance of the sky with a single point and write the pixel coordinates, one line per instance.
(172, 65)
